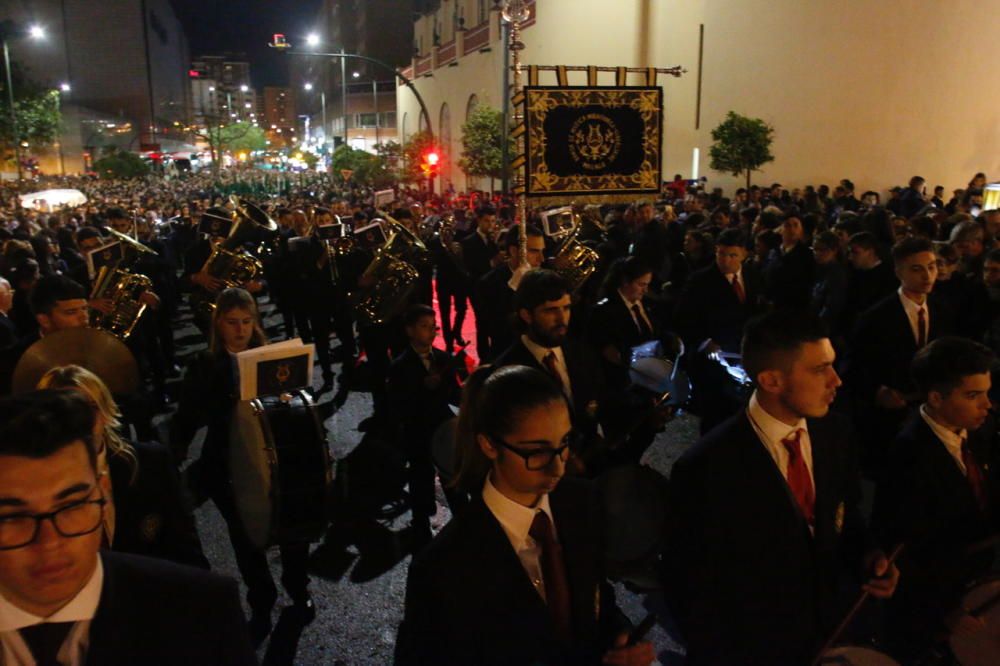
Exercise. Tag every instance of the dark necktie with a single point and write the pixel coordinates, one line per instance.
(550, 364)
(738, 288)
(640, 321)
(921, 328)
(975, 476)
(798, 476)
(554, 573)
(45, 639)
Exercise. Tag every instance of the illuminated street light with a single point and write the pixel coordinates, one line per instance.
(36, 32)
(312, 39)
(244, 88)
(308, 86)
(211, 89)
(65, 87)
(356, 74)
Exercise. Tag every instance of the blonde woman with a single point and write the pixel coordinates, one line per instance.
(150, 516)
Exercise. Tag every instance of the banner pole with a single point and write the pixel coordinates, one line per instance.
(516, 12)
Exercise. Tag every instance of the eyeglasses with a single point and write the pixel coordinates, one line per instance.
(538, 459)
(72, 520)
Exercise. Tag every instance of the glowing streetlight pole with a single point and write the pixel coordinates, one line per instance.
(7, 30)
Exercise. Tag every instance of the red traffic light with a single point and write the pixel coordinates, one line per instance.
(432, 158)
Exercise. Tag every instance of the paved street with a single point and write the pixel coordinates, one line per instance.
(359, 572)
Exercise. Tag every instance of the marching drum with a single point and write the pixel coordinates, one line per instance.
(281, 469)
(651, 367)
(851, 655)
(980, 647)
(635, 510)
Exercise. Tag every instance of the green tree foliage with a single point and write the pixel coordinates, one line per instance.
(368, 170)
(38, 117)
(120, 164)
(482, 144)
(741, 145)
(242, 136)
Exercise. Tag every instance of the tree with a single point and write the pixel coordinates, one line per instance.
(221, 137)
(120, 164)
(419, 144)
(368, 170)
(741, 145)
(482, 144)
(38, 117)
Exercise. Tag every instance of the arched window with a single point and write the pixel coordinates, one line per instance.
(471, 106)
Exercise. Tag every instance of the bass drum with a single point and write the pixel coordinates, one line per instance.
(980, 647)
(848, 655)
(635, 512)
(281, 469)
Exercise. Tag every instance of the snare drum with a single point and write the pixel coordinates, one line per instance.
(981, 647)
(852, 655)
(281, 470)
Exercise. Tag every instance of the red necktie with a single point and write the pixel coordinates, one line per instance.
(799, 480)
(974, 475)
(738, 288)
(554, 573)
(921, 328)
(550, 364)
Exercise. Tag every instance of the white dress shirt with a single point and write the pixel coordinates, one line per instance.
(912, 309)
(540, 352)
(952, 440)
(771, 431)
(516, 519)
(80, 610)
(642, 311)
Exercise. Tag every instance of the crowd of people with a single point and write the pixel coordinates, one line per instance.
(820, 338)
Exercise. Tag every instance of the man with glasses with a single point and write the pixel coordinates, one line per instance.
(63, 602)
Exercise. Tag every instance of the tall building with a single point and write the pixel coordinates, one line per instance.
(279, 115)
(221, 89)
(845, 100)
(125, 61)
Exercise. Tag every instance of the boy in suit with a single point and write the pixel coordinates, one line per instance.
(764, 510)
(941, 494)
(62, 601)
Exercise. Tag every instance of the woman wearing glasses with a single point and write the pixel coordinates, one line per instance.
(147, 514)
(517, 577)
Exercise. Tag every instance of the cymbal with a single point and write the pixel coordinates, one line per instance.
(96, 350)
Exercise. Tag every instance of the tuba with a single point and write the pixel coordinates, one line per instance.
(574, 261)
(229, 262)
(391, 275)
(452, 249)
(116, 283)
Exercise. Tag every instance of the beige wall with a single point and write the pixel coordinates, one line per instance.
(873, 91)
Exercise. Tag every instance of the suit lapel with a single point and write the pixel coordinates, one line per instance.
(951, 474)
(824, 463)
(902, 323)
(759, 463)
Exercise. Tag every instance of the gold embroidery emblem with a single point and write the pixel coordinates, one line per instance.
(838, 519)
(150, 526)
(594, 141)
(284, 373)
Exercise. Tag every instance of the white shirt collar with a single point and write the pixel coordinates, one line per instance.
(773, 429)
(952, 440)
(540, 352)
(911, 308)
(515, 518)
(629, 304)
(81, 607)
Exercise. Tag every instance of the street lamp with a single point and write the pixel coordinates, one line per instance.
(322, 101)
(65, 87)
(312, 39)
(9, 31)
(244, 88)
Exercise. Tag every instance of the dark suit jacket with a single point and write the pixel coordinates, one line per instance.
(416, 409)
(493, 290)
(926, 502)
(156, 612)
(746, 580)
(883, 346)
(469, 601)
(612, 323)
(151, 515)
(865, 289)
(584, 378)
(477, 255)
(790, 276)
(708, 308)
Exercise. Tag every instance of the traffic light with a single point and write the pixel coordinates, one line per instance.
(431, 163)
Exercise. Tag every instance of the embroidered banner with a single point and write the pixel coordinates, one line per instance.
(592, 140)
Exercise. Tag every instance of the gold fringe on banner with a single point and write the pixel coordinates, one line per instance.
(651, 76)
(532, 75)
(535, 201)
(562, 79)
(621, 76)
(591, 75)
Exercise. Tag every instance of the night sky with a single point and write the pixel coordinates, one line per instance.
(246, 26)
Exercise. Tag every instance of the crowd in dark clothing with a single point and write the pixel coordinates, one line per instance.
(686, 272)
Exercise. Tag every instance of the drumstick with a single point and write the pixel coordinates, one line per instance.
(854, 611)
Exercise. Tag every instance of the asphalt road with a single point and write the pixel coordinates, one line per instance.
(358, 573)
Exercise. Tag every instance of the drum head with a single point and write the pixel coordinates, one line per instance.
(251, 465)
(980, 648)
(443, 449)
(635, 511)
(856, 656)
